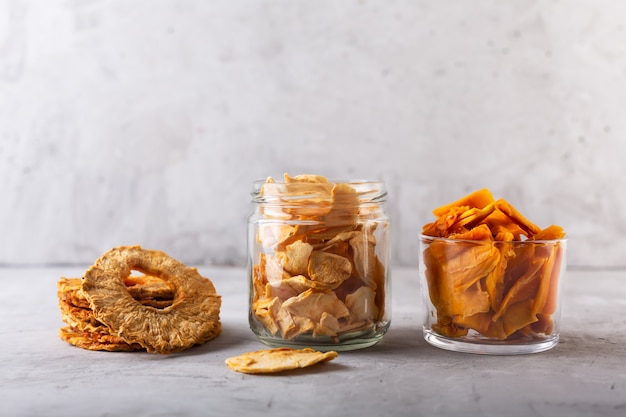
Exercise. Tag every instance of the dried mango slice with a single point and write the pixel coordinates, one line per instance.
(495, 280)
(477, 199)
(481, 232)
(473, 216)
(552, 232)
(464, 264)
(530, 228)
(500, 223)
(443, 226)
(545, 301)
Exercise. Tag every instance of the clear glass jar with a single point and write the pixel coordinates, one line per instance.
(318, 262)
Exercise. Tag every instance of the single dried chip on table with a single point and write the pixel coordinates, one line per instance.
(277, 360)
(484, 277)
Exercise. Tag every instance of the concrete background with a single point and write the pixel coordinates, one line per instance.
(145, 121)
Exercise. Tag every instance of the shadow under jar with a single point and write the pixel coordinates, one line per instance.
(491, 297)
(318, 264)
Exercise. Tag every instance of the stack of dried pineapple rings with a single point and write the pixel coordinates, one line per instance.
(318, 263)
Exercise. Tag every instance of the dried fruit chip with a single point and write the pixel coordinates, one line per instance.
(362, 305)
(329, 268)
(295, 258)
(96, 341)
(277, 360)
(312, 304)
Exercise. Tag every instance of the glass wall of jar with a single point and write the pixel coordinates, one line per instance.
(318, 263)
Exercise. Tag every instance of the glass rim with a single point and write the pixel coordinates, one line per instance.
(331, 181)
(423, 237)
(368, 191)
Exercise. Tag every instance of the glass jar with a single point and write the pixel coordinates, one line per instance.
(318, 263)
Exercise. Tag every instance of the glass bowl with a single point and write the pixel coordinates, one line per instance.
(491, 297)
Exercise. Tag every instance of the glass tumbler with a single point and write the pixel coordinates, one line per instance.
(491, 297)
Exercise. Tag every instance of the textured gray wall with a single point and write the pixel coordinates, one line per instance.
(145, 122)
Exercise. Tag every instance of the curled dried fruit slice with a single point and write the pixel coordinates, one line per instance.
(312, 304)
(295, 258)
(277, 360)
(329, 268)
(95, 340)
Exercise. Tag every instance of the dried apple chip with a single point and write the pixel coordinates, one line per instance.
(277, 360)
(329, 268)
(362, 305)
(313, 303)
(295, 258)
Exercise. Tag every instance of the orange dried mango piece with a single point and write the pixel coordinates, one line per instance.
(453, 280)
(517, 317)
(483, 324)
(494, 283)
(477, 199)
(544, 324)
(502, 234)
(499, 222)
(545, 302)
(473, 216)
(444, 223)
(524, 287)
(480, 232)
(529, 227)
(447, 327)
(552, 232)
(472, 265)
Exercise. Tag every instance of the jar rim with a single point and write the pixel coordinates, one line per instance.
(424, 237)
(331, 181)
(371, 191)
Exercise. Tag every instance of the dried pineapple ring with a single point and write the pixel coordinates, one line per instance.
(193, 317)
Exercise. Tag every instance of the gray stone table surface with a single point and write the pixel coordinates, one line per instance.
(585, 375)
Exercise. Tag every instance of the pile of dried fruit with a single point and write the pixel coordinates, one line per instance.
(168, 309)
(495, 272)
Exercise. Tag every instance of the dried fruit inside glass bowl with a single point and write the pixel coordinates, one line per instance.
(489, 272)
